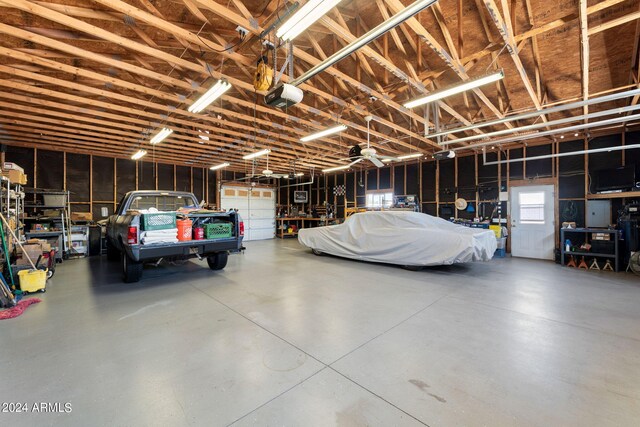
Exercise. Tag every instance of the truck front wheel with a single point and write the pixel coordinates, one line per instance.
(131, 270)
(217, 261)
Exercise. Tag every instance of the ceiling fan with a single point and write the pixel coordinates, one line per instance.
(266, 173)
(357, 154)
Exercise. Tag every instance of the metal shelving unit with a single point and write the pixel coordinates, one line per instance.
(586, 231)
(36, 201)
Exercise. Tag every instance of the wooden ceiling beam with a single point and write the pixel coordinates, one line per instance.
(394, 33)
(614, 23)
(237, 19)
(158, 119)
(60, 18)
(162, 95)
(584, 53)
(503, 26)
(453, 63)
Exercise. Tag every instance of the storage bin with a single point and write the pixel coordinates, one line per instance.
(218, 230)
(32, 280)
(497, 229)
(55, 200)
(502, 242)
(159, 221)
(500, 253)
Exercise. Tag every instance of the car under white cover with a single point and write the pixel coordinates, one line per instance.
(404, 238)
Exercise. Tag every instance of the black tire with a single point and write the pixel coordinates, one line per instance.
(218, 261)
(316, 252)
(131, 270)
(113, 254)
(413, 267)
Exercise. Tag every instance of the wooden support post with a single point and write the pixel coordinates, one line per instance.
(90, 186)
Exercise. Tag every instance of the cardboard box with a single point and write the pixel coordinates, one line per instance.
(600, 236)
(12, 166)
(16, 177)
(33, 251)
(81, 216)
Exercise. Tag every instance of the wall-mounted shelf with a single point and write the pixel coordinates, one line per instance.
(624, 194)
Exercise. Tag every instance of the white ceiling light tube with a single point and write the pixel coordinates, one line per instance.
(454, 90)
(545, 124)
(544, 111)
(305, 17)
(299, 174)
(552, 132)
(329, 131)
(409, 156)
(256, 154)
(337, 168)
(220, 166)
(139, 154)
(366, 38)
(570, 153)
(209, 96)
(160, 136)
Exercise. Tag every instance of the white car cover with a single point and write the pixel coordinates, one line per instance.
(403, 238)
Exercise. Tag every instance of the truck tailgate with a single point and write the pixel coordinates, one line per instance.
(186, 248)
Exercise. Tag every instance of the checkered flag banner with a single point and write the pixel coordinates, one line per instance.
(339, 190)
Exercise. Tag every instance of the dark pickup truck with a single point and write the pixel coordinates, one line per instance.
(126, 228)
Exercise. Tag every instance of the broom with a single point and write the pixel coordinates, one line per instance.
(24, 252)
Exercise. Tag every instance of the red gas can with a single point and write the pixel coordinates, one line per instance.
(198, 233)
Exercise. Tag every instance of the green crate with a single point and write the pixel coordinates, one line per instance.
(218, 230)
(159, 221)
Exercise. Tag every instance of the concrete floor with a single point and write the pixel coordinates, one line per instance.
(282, 337)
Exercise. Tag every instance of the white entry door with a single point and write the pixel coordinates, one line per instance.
(257, 207)
(532, 222)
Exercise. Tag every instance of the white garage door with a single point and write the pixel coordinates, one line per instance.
(257, 207)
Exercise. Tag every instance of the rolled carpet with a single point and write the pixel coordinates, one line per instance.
(16, 311)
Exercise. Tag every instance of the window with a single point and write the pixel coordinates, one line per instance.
(162, 203)
(531, 207)
(379, 200)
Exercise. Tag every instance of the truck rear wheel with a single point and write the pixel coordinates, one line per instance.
(112, 253)
(131, 270)
(217, 261)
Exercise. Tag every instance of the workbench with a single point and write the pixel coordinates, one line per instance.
(299, 221)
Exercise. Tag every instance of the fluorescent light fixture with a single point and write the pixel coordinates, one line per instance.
(453, 90)
(220, 166)
(386, 160)
(365, 39)
(303, 18)
(409, 156)
(570, 119)
(299, 174)
(337, 168)
(209, 96)
(569, 153)
(537, 113)
(204, 135)
(138, 154)
(256, 154)
(322, 133)
(590, 125)
(160, 136)
(285, 176)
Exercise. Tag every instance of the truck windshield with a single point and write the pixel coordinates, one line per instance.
(162, 203)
